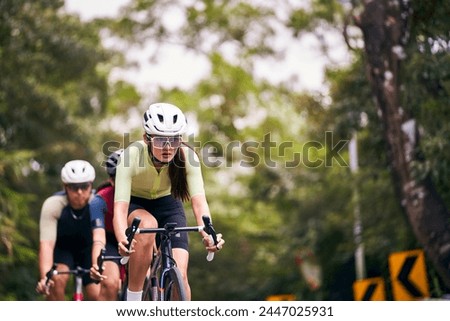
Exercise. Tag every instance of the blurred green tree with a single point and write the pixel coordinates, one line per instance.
(53, 92)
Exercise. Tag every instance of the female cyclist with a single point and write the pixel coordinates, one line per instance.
(154, 177)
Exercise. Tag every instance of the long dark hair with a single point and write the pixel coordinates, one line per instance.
(178, 176)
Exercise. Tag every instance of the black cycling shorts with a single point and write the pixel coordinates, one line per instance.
(111, 247)
(72, 259)
(166, 209)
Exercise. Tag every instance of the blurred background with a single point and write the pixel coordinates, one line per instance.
(323, 127)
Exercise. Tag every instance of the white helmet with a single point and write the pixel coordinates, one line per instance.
(164, 119)
(113, 161)
(77, 171)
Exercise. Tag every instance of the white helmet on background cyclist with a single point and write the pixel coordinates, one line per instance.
(164, 119)
(112, 162)
(77, 171)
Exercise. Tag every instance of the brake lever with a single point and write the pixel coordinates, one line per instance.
(131, 231)
(209, 229)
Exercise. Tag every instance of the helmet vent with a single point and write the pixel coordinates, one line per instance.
(161, 118)
(175, 119)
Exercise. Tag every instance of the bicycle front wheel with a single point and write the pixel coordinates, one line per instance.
(174, 286)
(151, 292)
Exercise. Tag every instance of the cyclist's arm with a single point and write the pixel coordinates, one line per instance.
(198, 199)
(97, 207)
(196, 187)
(194, 173)
(50, 214)
(122, 193)
(46, 249)
(48, 225)
(200, 207)
(120, 220)
(99, 242)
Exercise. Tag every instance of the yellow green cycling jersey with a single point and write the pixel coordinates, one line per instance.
(137, 176)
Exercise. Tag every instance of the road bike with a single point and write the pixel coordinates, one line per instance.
(164, 282)
(78, 273)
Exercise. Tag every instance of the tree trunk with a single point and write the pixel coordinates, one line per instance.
(384, 28)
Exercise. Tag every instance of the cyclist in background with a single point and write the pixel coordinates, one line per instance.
(67, 232)
(155, 176)
(103, 205)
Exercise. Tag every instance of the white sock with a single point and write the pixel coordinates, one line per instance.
(134, 296)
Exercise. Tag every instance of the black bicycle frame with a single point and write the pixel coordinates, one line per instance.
(166, 252)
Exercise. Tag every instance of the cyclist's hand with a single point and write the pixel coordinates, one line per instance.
(43, 288)
(95, 273)
(123, 250)
(209, 243)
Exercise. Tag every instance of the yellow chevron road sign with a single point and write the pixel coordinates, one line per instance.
(371, 289)
(408, 275)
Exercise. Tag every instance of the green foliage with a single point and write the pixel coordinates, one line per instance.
(17, 227)
(427, 90)
(427, 96)
(53, 90)
(313, 18)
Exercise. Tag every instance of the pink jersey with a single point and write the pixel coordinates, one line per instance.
(107, 193)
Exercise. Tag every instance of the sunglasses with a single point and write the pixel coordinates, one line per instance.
(162, 141)
(77, 186)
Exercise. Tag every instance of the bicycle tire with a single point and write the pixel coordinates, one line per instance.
(151, 281)
(174, 289)
(149, 293)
